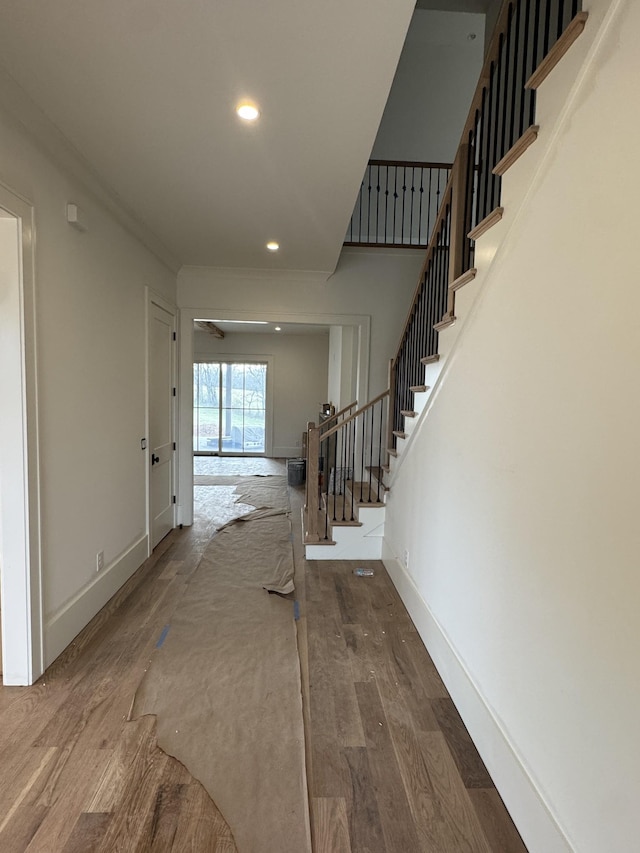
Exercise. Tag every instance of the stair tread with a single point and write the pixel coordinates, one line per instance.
(399, 433)
(417, 389)
(408, 413)
(341, 513)
(430, 359)
(365, 495)
(378, 471)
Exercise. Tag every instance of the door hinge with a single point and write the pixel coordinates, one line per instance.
(174, 445)
(174, 392)
(173, 499)
(174, 336)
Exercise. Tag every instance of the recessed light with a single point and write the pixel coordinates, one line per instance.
(272, 246)
(247, 111)
(278, 329)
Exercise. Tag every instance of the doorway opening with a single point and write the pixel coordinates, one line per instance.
(20, 579)
(229, 407)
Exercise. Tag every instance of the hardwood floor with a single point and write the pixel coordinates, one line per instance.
(391, 768)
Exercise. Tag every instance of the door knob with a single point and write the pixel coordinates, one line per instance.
(154, 459)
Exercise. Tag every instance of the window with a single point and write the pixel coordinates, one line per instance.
(229, 407)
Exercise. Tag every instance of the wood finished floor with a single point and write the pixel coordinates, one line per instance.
(391, 768)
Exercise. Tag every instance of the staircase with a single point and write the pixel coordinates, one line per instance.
(351, 461)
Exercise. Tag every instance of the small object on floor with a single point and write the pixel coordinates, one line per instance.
(364, 573)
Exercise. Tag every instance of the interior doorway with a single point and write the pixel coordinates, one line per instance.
(20, 579)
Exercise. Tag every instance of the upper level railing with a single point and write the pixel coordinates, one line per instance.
(529, 38)
(397, 204)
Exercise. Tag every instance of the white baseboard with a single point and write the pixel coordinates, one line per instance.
(533, 818)
(61, 628)
(286, 452)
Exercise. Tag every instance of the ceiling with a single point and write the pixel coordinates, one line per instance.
(145, 91)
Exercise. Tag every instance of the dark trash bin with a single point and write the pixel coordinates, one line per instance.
(296, 471)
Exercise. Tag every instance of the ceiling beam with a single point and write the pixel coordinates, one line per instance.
(211, 328)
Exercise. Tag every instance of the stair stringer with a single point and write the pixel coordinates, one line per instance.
(361, 542)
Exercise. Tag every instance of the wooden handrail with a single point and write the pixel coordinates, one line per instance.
(355, 414)
(414, 164)
(348, 408)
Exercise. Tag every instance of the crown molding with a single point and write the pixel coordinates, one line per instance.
(17, 104)
(257, 274)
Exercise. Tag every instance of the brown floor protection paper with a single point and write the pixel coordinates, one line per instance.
(225, 684)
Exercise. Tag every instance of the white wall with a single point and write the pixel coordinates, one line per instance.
(90, 313)
(432, 89)
(343, 366)
(518, 500)
(298, 376)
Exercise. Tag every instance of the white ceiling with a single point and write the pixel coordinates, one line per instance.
(145, 91)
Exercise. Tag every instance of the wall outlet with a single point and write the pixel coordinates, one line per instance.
(99, 561)
(405, 558)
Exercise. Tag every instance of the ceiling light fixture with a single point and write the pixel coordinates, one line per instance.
(278, 329)
(247, 111)
(272, 246)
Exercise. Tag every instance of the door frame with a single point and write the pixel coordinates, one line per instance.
(21, 574)
(153, 298)
(187, 316)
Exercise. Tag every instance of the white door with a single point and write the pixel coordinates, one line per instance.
(161, 397)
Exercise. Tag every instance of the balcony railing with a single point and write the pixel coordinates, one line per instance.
(397, 204)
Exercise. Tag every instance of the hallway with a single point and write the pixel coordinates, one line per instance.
(391, 768)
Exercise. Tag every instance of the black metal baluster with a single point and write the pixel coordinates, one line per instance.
(404, 199)
(430, 202)
(547, 28)
(412, 197)
(395, 201)
(368, 240)
(377, 240)
(517, 86)
(421, 191)
(487, 165)
(505, 65)
(560, 23)
(526, 93)
(480, 155)
(386, 201)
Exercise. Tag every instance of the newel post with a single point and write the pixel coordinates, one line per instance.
(461, 191)
(312, 505)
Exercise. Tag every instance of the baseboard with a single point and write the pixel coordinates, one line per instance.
(286, 452)
(537, 825)
(61, 628)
